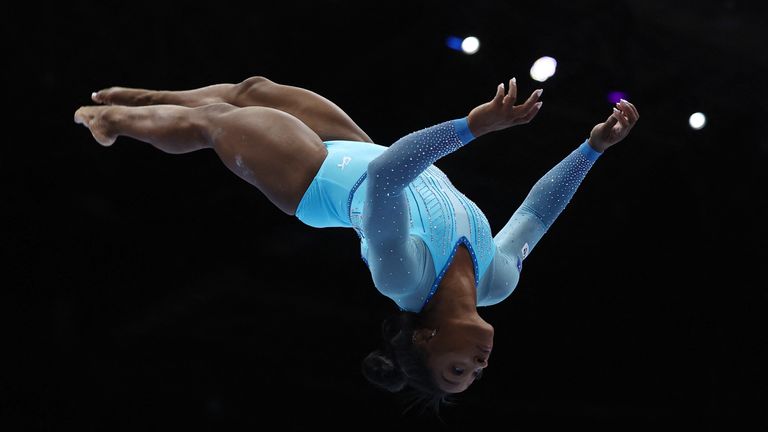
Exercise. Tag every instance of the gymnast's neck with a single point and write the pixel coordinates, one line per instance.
(456, 296)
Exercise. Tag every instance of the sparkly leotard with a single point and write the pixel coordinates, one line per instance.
(411, 219)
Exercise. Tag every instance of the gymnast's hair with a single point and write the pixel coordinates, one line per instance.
(400, 365)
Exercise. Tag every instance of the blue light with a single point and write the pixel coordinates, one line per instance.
(615, 96)
(453, 43)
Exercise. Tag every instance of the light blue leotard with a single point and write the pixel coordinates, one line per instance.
(411, 219)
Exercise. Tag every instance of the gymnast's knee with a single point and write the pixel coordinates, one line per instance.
(206, 119)
(249, 87)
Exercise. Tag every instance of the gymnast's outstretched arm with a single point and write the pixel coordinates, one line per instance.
(548, 198)
(545, 202)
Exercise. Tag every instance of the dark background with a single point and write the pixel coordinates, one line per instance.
(147, 291)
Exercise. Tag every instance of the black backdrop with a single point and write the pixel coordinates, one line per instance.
(148, 291)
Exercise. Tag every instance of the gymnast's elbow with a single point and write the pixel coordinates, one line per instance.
(375, 167)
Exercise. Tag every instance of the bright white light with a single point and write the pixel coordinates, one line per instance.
(697, 120)
(543, 68)
(470, 45)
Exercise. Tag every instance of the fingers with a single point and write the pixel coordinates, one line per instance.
(523, 111)
(531, 113)
(628, 110)
(532, 99)
(499, 96)
(510, 98)
(619, 115)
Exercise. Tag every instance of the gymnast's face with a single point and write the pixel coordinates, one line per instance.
(457, 355)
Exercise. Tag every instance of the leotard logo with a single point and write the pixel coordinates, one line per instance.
(344, 162)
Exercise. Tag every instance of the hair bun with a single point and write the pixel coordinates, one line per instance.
(381, 370)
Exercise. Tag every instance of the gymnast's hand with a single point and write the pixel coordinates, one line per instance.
(501, 112)
(615, 128)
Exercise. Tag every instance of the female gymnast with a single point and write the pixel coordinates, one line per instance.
(427, 246)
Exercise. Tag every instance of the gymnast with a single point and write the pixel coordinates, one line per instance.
(428, 247)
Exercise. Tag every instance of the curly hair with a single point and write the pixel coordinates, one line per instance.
(399, 364)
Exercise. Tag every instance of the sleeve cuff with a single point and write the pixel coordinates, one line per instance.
(588, 152)
(462, 130)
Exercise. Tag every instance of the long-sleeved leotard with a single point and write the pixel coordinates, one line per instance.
(411, 219)
(408, 266)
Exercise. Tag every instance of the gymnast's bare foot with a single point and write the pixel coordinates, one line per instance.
(124, 96)
(94, 118)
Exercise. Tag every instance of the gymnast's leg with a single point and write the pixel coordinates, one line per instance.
(320, 114)
(269, 149)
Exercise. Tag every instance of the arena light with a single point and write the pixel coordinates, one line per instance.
(470, 45)
(697, 120)
(453, 42)
(543, 68)
(615, 96)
